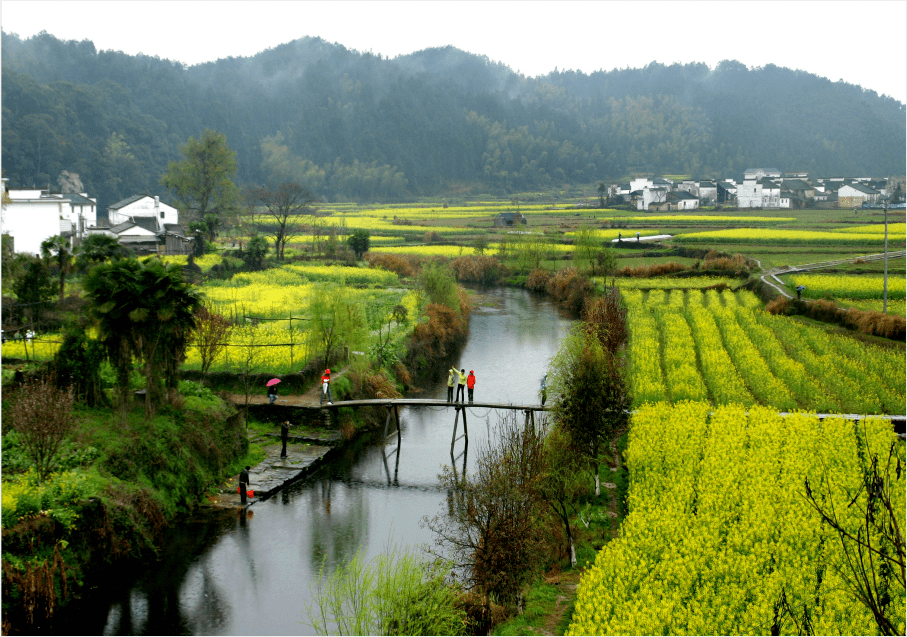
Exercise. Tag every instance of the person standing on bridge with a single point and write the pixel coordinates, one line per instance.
(452, 376)
(461, 386)
(470, 384)
(326, 388)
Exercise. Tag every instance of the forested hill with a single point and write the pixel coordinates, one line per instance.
(353, 125)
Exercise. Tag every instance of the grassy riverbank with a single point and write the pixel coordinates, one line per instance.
(119, 480)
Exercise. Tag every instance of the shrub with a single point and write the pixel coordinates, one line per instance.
(42, 414)
(647, 271)
(391, 262)
(394, 594)
(478, 269)
(864, 321)
(570, 289)
(430, 339)
(538, 280)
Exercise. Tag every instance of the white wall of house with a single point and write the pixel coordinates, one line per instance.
(848, 192)
(749, 194)
(641, 183)
(649, 196)
(687, 204)
(83, 217)
(137, 231)
(771, 196)
(30, 219)
(708, 193)
(147, 206)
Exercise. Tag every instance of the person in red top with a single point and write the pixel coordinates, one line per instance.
(326, 387)
(470, 384)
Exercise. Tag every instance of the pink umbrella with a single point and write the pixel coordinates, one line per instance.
(273, 381)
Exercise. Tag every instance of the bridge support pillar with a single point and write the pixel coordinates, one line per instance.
(453, 438)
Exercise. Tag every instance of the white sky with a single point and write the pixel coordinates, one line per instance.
(862, 42)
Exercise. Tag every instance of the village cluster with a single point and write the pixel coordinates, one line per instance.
(142, 222)
(764, 188)
(147, 225)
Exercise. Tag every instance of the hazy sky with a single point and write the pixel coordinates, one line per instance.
(862, 42)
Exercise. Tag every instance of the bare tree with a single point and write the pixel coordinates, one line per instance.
(491, 528)
(286, 204)
(42, 414)
(561, 481)
(69, 182)
(873, 565)
(250, 363)
(211, 333)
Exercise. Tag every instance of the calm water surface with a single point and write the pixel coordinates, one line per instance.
(223, 574)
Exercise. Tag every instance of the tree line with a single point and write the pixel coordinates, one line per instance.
(356, 126)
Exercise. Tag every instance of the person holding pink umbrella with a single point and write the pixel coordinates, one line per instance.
(272, 390)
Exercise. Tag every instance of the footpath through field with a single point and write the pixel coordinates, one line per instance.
(790, 269)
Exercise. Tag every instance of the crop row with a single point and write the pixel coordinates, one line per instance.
(719, 530)
(849, 287)
(894, 229)
(764, 235)
(661, 283)
(720, 347)
(705, 219)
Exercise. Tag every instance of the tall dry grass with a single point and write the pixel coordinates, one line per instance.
(869, 322)
(478, 268)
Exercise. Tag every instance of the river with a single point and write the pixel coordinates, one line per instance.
(221, 574)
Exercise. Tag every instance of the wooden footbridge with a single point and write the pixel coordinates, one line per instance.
(393, 404)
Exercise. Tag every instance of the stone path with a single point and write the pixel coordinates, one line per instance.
(273, 473)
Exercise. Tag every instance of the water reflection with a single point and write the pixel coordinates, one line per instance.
(253, 575)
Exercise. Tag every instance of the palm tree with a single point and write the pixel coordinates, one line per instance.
(97, 248)
(143, 310)
(57, 250)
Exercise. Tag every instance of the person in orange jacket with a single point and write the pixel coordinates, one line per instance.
(470, 384)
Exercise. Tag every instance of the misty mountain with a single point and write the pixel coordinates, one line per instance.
(352, 125)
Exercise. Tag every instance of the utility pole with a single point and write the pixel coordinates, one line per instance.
(885, 279)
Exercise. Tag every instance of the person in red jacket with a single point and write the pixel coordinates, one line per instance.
(470, 384)
(326, 387)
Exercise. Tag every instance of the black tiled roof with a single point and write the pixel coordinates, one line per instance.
(126, 202)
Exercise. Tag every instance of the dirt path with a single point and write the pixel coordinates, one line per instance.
(790, 269)
(311, 398)
(567, 582)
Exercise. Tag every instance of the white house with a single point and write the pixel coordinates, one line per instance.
(146, 225)
(761, 173)
(749, 194)
(854, 195)
(708, 192)
(683, 200)
(771, 194)
(30, 216)
(641, 183)
(145, 206)
(650, 196)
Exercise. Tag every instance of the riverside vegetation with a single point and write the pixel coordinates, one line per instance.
(644, 342)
